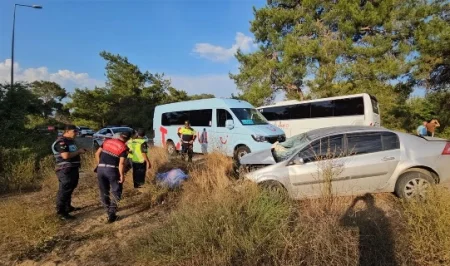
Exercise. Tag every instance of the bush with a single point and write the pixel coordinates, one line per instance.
(17, 170)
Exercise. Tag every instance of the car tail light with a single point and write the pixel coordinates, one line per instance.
(446, 150)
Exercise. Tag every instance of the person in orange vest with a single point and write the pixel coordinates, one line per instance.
(111, 157)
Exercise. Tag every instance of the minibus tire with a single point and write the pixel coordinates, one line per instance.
(240, 150)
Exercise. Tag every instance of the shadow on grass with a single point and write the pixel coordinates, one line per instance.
(376, 244)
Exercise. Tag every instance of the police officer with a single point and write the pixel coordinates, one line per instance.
(111, 157)
(187, 136)
(139, 159)
(67, 157)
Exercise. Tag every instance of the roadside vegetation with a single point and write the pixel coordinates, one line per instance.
(386, 48)
(215, 219)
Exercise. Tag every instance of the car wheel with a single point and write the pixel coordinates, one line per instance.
(241, 151)
(171, 149)
(414, 184)
(273, 186)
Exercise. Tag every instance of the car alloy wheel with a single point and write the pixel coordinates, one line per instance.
(416, 187)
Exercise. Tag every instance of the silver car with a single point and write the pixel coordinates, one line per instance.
(110, 132)
(353, 160)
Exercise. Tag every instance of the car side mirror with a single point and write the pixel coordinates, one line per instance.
(229, 124)
(298, 161)
(109, 135)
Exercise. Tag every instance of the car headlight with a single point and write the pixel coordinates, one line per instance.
(259, 138)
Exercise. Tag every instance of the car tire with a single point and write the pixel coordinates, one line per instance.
(241, 151)
(273, 186)
(171, 148)
(413, 183)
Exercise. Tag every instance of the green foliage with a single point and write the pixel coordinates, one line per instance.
(130, 96)
(433, 41)
(51, 94)
(347, 47)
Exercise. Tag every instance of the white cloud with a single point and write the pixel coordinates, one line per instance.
(222, 54)
(220, 85)
(66, 78)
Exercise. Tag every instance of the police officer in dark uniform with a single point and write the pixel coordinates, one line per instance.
(67, 157)
(187, 135)
(111, 158)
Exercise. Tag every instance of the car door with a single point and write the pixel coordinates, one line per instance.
(373, 157)
(320, 161)
(222, 136)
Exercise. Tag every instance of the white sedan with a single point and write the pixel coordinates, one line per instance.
(354, 160)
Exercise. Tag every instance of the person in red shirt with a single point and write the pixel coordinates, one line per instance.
(111, 158)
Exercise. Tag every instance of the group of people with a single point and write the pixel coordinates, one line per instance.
(115, 157)
(428, 128)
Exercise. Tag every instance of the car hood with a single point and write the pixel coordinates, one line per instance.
(266, 130)
(259, 157)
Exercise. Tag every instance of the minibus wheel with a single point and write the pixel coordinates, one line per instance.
(241, 151)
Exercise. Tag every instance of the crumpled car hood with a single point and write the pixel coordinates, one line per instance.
(259, 157)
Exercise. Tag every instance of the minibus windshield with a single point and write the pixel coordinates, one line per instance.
(249, 116)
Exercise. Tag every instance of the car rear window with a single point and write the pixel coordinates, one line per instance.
(361, 143)
(390, 141)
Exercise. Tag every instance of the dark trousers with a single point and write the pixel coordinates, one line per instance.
(139, 171)
(187, 148)
(68, 181)
(108, 180)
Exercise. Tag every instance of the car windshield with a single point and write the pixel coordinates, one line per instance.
(249, 116)
(284, 150)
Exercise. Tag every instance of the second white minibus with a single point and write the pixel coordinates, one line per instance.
(296, 117)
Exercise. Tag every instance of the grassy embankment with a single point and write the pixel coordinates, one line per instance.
(215, 220)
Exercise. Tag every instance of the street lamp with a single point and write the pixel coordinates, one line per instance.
(12, 42)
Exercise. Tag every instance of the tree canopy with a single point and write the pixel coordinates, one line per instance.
(329, 48)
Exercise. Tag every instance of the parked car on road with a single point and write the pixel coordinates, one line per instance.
(85, 131)
(109, 132)
(362, 159)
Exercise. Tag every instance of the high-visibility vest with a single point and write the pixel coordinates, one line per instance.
(187, 134)
(136, 152)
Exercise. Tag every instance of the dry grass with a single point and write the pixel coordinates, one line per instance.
(428, 228)
(216, 220)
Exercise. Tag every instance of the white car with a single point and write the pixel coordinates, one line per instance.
(109, 132)
(363, 159)
(85, 131)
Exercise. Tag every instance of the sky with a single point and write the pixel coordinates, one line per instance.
(192, 42)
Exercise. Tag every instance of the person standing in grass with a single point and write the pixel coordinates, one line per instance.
(68, 162)
(111, 158)
(139, 159)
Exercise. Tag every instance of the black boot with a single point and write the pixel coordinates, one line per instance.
(112, 217)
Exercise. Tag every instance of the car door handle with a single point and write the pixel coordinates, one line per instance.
(388, 158)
